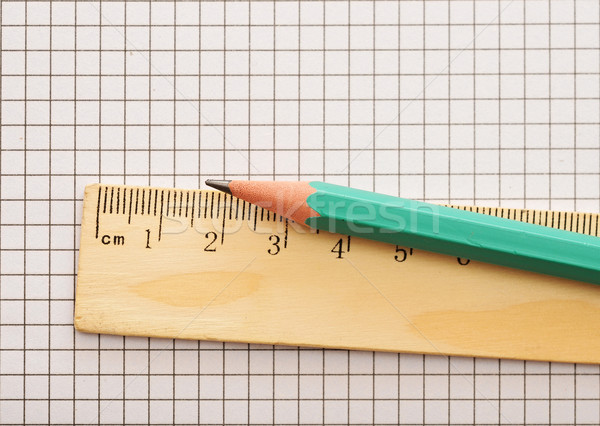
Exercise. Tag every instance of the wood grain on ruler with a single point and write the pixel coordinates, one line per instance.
(197, 264)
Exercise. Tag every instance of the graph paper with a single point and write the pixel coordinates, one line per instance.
(487, 102)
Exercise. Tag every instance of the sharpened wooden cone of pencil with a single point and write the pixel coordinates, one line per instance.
(426, 226)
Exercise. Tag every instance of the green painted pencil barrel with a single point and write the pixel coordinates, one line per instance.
(455, 232)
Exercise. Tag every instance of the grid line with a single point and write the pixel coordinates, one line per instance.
(489, 102)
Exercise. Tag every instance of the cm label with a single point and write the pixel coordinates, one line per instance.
(115, 240)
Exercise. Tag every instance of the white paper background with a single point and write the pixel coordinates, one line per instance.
(475, 102)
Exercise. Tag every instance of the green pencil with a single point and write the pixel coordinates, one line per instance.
(426, 226)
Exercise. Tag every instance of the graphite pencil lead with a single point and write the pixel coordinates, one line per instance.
(221, 185)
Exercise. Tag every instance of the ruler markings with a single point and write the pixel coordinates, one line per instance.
(586, 223)
(130, 204)
(174, 203)
(168, 202)
(193, 207)
(124, 200)
(187, 202)
(559, 220)
(105, 197)
(224, 216)
(98, 211)
(162, 194)
(155, 200)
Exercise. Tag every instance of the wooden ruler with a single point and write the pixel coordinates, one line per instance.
(197, 264)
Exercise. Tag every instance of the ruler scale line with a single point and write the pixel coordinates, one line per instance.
(98, 211)
(205, 206)
(187, 202)
(160, 219)
(155, 200)
(168, 201)
(174, 203)
(112, 191)
(224, 216)
(124, 200)
(105, 197)
(149, 202)
(130, 205)
(193, 207)
(180, 202)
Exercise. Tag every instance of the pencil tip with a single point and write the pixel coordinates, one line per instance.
(221, 185)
